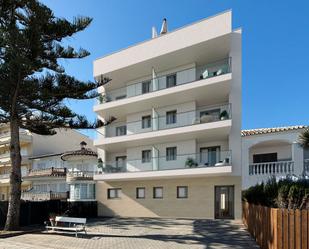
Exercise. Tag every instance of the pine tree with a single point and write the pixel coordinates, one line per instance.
(34, 86)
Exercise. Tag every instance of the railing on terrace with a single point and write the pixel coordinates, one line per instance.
(176, 78)
(48, 172)
(271, 168)
(186, 161)
(201, 115)
(79, 175)
(41, 196)
(8, 134)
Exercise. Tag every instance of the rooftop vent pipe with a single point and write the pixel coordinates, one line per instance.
(164, 27)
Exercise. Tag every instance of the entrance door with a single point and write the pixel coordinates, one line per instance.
(224, 202)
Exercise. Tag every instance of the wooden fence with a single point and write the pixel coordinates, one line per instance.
(275, 228)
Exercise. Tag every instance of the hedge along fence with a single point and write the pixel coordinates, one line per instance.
(275, 228)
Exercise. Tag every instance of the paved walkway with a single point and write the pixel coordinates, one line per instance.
(142, 234)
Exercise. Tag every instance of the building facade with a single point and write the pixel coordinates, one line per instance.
(35, 146)
(173, 148)
(272, 152)
(67, 176)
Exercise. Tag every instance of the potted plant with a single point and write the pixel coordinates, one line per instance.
(224, 115)
(191, 163)
(52, 219)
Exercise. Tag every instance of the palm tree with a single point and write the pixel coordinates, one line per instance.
(303, 138)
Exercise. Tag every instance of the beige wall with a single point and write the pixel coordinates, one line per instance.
(199, 204)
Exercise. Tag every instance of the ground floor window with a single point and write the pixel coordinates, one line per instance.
(113, 193)
(140, 193)
(182, 192)
(158, 192)
(81, 191)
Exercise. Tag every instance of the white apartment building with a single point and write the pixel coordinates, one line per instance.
(174, 148)
(33, 146)
(272, 152)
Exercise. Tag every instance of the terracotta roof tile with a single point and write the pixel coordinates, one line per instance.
(251, 132)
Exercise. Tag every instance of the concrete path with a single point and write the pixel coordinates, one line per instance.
(142, 234)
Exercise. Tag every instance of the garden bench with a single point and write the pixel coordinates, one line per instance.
(68, 224)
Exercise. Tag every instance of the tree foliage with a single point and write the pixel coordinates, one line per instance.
(34, 86)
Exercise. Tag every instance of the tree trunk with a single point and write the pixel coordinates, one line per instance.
(12, 220)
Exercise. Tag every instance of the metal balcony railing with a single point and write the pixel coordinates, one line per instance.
(272, 168)
(176, 78)
(170, 162)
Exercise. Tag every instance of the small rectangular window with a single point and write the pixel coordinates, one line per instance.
(121, 162)
(171, 153)
(146, 156)
(170, 80)
(158, 192)
(113, 193)
(182, 192)
(140, 193)
(121, 130)
(146, 122)
(171, 117)
(146, 86)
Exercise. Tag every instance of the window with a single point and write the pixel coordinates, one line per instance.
(145, 87)
(140, 193)
(158, 192)
(182, 192)
(121, 161)
(121, 130)
(171, 117)
(171, 153)
(146, 122)
(121, 97)
(170, 80)
(113, 193)
(146, 156)
(264, 158)
(2, 197)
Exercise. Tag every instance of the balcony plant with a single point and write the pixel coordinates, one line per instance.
(224, 115)
(191, 163)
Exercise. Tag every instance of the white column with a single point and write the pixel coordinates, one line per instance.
(154, 80)
(155, 158)
(245, 167)
(298, 158)
(155, 120)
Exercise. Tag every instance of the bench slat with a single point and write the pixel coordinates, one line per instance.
(67, 228)
(71, 219)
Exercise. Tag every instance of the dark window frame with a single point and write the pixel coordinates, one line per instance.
(171, 157)
(146, 120)
(146, 86)
(171, 117)
(187, 192)
(117, 193)
(148, 159)
(168, 83)
(262, 157)
(119, 128)
(154, 193)
(137, 196)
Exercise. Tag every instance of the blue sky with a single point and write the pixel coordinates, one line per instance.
(275, 47)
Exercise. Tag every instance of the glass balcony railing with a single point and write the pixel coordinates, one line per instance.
(171, 162)
(177, 78)
(172, 119)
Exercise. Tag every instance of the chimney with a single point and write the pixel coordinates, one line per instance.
(154, 32)
(164, 27)
(83, 145)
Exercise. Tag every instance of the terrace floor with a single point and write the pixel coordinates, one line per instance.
(142, 233)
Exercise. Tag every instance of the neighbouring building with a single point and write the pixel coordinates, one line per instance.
(272, 152)
(66, 176)
(174, 148)
(35, 146)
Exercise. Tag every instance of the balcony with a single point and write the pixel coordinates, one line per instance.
(280, 168)
(44, 196)
(213, 122)
(24, 136)
(73, 176)
(216, 163)
(160, 90)
(50, 172)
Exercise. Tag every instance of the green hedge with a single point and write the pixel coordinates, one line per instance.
(283, 194)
